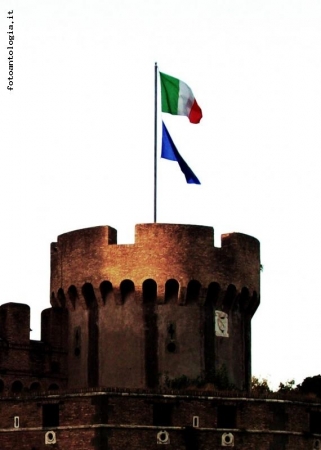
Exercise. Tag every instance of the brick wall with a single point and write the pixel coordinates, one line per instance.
(127, 419)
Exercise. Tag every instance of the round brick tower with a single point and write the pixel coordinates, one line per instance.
(167, 306)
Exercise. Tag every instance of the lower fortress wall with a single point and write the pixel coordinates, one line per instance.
(138, 420)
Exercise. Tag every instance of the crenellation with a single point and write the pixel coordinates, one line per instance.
(160, 252)
(242, 259)
(72, 295)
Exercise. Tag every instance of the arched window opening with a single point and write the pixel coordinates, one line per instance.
(53, 387)
(61, 298)
(106, 288)
(35, 386)
(72, 295)
(16, 387)
(127, 290)
(229, 297)
(149, 291)
(171, 290)
(213, 291)
(89, 295)
(171, 344)
(245, 292)
(244, 299)
(193, 291)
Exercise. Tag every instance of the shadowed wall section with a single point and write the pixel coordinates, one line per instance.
(151, 332)
(93, 335)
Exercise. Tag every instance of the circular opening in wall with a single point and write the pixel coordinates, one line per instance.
(171, 347)
(227, 439)
(77, 351)
(163, 437)
(50, 436)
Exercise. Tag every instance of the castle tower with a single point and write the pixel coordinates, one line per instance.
(169, 305)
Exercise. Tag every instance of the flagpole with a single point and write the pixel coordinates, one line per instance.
(155, 147)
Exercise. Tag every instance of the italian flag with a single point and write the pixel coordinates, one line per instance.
(178, 98)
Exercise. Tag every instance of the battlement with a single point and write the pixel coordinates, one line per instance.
(28, 365)
(161, 252)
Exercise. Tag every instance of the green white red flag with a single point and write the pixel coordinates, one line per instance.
(178, 98)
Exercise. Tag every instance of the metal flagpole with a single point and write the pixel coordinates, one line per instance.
(155, 147)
